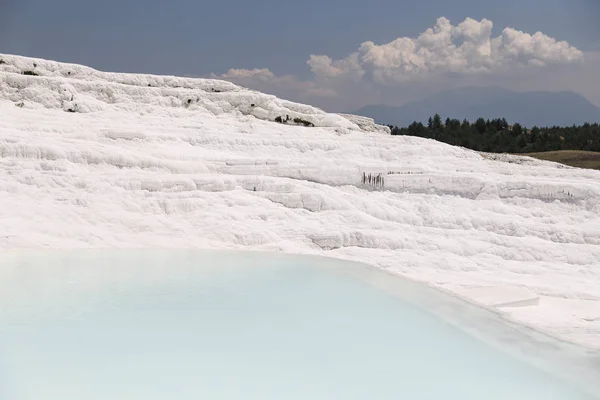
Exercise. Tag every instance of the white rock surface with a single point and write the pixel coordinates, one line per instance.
(135, 165)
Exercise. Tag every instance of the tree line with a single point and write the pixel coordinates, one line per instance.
(498, 136)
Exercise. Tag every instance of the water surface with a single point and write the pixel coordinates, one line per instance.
(205, 325)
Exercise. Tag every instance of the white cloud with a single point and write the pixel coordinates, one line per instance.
(466, 48)
(325, 67)
(265, 80)
(409, 68)
(263, 74)
(321, 92)
(537, 49)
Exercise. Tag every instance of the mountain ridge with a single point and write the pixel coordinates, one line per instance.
(532, 108)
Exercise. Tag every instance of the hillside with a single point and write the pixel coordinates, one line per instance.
(34, 83)
(527, 108)
(578, 159)
(90, 159)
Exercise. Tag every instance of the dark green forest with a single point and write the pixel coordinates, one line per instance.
(498, 136)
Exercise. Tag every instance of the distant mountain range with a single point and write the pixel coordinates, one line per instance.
(527, 108)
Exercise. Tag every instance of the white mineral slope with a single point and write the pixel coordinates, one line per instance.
(165, 162)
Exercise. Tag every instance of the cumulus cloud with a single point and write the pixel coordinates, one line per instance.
(265, 80)
(262, 74)
(465, 48)
(325, 67)
(468, 52)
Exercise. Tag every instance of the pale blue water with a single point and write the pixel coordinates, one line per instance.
(199, 325)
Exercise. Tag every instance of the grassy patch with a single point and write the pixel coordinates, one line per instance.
(573, 158)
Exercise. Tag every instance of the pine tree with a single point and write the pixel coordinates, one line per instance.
(437, 123)
(517, 129)
(480, 125)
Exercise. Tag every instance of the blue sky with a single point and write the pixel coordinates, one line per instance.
(186, 37)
